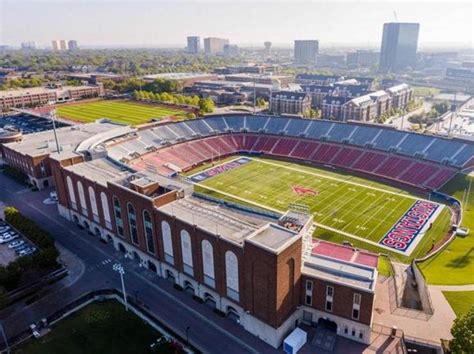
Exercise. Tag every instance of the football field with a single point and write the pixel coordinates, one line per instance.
(127, 112)
(351, 206)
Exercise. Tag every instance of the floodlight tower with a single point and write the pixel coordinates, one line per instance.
(53, 116)
(119, 269)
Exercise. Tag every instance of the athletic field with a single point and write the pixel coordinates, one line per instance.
(359, 209)
(127, 112)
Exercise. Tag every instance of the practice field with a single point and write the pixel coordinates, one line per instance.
(127, 112)
(362, 210)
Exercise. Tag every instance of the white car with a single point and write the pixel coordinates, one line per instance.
(16, 244)
(8, 238)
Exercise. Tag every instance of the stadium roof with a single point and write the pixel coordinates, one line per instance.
(69, 138)
(38, 90)
(99, 170)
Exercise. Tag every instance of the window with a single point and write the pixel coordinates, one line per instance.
(72, 196)
(356, 306)
(132, 223)
(148, 227)
(208, 263)
(232, 275)
(309, 292)
(118, 217)
(309, 300)
(353, 332)
(82, 197)
(329, 298)
(307, 316)
(95, 212)
(309, 285)
(346, 329)
(105, 210)
(167, 242)
(186, 253)
(361, 335)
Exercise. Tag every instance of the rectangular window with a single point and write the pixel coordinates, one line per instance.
(309, 300)
(356, 306)
(328, 306)
(329, 298)
(355, 314)
(309, 285)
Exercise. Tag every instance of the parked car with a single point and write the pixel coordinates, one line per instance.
(4, 229)
(8, 238)
(6, 233)
(27, 251)
(16, 243)
(21, 248)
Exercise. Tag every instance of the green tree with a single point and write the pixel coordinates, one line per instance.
(463, 334)
(206, 105)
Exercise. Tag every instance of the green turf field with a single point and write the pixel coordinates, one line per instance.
(455, 264)
(343, 205)
(127, 112)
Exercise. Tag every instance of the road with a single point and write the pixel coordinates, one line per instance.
(402, 121)
(91, 266)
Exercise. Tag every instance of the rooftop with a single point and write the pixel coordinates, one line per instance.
(273, 237)
(99, 170)
(177, 76)
(42, 143)
(216, 219)
(342, 264)
(38, 90)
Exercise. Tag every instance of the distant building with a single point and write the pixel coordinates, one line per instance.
(194, 45)
(331, 60)
(362, 58)
(319, 79)
(231, 50)
(28, 45)
(399, 45)
(268, 48)
(290, 102)
(249, 69)
(282, 80)
(214, 45)
(306, 51)
(37, 96)
(63, 44)
(184, 79)
(319, 92)
(401, 95)
(72, 45)
(56, 45)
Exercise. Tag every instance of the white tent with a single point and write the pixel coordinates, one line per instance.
(295, 341)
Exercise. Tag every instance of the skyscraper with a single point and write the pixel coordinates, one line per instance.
(214, 45)
(268, 48)
(194, 45)
(399, 43)
(56, 44)
(306, 51)
(72, 45)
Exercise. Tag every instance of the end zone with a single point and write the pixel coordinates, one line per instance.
(216, 170)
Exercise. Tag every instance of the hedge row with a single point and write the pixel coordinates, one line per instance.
(44, 259)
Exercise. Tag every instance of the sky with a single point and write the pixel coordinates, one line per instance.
(148, 23)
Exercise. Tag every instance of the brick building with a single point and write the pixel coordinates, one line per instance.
(289, 102)
(37, 96)
(400, 95)
(263, 271)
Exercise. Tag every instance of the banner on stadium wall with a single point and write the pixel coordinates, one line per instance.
(214, 171)
(404, 233)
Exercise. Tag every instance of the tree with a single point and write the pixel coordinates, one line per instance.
(206, 105)
(260, 102)
(463, 333)
(441, 107)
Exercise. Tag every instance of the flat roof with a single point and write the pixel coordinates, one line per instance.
(177, 76)
(69, 138)
(342, 264)
(273, 237)
(215, 219)
(38, 90)
(99, 170)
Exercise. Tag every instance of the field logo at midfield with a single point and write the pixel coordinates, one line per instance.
(214, 171)
(409, 226)
(303, 190)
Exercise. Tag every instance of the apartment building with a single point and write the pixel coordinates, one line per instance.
(290, 102)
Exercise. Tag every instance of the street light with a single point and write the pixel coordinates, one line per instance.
(119, 268)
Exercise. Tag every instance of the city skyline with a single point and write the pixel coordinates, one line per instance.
(244, 24)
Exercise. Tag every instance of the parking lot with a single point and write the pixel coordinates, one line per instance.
(13, 245)
(26, 123)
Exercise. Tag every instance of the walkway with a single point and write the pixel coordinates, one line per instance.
(467, 287)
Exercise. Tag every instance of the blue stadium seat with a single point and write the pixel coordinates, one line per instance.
(276, 124)
(415, 143)
(255, 123)
(181, 130)
(319, 128)
(443, 148)
(217, 123)
(164, 133)
(297, 126)
(236, 123)
(340, 131)
(388, 138)
(364, 135)
(464, 156)
(199, 126)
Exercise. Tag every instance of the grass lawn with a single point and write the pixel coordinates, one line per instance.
(384, 267)
(345, 207)
(127, 112)
(455, 264)
(98, 328)
(460, 301)
(426, 91)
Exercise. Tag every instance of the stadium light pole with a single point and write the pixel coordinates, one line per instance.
(119, 269)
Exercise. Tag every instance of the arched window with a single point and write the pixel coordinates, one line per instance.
(105, 209)
(167, 242)
(82, 197)
(92, 200)
(132, 222)
(232, 275)
(72, 196)
(148, 227)
(118, 216)
(208, 263)
(187, 253)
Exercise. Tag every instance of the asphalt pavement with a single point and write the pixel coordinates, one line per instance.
(90, 263)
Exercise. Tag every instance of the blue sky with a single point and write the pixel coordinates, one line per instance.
(162, 23)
